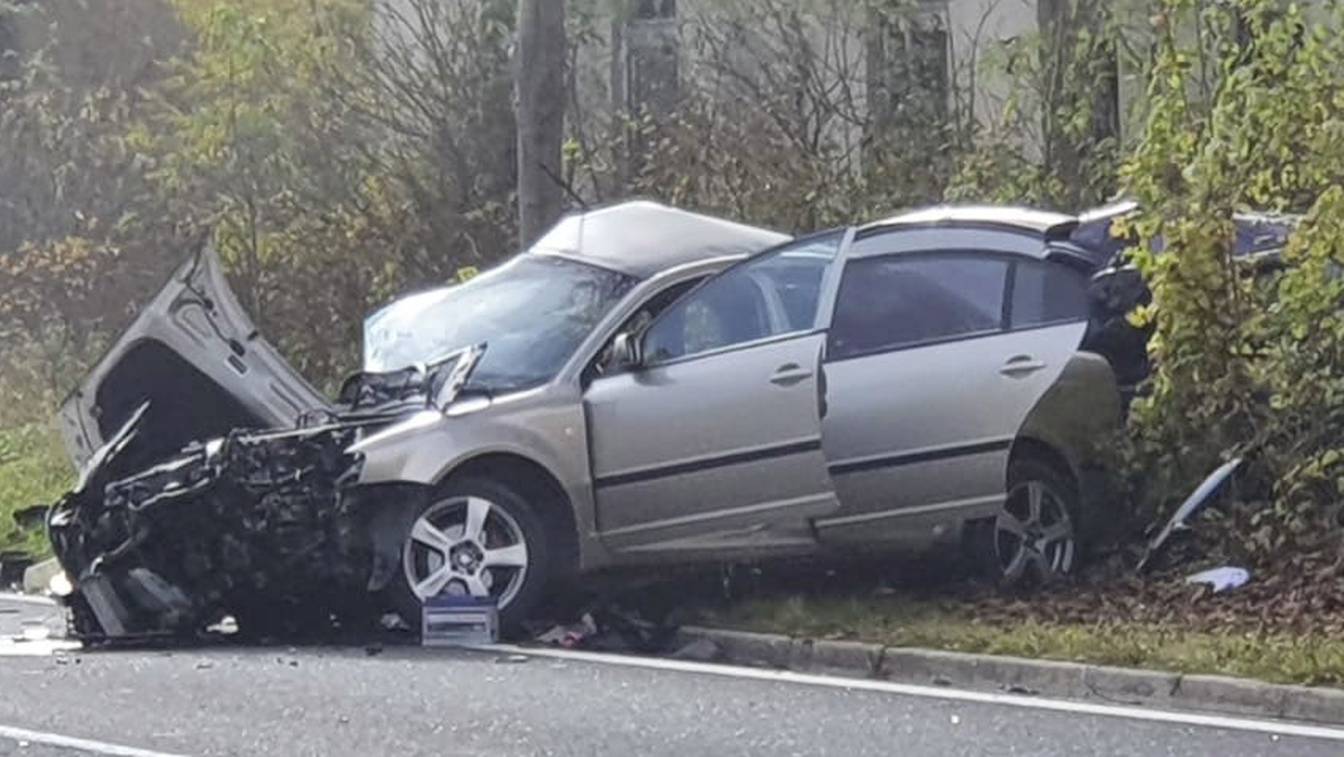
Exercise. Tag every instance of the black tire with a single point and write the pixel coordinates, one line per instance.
(995, 546)
(534, 534)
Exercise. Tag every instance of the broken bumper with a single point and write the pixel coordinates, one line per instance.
(262, 526)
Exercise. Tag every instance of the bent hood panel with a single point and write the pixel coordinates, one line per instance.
(195, 356)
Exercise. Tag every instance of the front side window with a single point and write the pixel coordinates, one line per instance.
(769, 296)
(897, 301)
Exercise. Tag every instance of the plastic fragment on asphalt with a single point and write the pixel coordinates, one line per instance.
(1221, 579)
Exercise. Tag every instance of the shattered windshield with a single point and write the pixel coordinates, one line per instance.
(532, 312)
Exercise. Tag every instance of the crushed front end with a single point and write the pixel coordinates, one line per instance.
(257, 525)
(269, 527)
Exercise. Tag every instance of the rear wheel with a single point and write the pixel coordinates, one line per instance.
(1033, 539)
(477, 538)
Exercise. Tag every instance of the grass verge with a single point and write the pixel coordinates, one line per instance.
(33, 470)
(947, 625)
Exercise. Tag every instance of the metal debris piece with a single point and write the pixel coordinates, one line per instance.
(1204, 494)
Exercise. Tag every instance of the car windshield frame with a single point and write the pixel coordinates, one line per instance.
(533, 313)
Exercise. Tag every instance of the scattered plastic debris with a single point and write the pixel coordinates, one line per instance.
(227, 626)
(459, 621)
(1198, 500)
(571, 636)
(1221, 579)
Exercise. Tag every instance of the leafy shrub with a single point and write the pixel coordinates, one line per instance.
(33, 470)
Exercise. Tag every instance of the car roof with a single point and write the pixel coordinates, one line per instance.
(1027, 220)
(644, 238)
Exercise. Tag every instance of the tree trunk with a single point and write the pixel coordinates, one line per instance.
(541, 115)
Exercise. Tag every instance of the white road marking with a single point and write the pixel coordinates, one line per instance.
(934, 692)
(84, 745)
(27, 599)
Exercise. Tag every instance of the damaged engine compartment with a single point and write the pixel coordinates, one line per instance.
(230, 527)
(268, 527)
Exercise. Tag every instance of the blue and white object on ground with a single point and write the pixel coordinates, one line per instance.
(1207, 491)
(450, 621)
(1221, 579)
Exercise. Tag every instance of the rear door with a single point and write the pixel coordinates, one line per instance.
(193, 353)
(931, 378)
(713, 447)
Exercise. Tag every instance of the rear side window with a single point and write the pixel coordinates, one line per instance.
(1046, 293)
(899, 301)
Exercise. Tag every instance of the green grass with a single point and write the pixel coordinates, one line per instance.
(908, 622)
(33, 470)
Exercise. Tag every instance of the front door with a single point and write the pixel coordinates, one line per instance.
(713, 446)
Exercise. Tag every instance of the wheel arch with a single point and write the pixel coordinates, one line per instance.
(540, 487)
(1038, 450)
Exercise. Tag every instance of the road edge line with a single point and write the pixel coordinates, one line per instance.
(946, 693)
(1018, 675)
(73, 742)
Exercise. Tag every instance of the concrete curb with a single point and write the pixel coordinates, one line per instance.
(1148, 688)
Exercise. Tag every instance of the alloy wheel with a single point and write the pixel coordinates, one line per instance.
(466, 546)
(1034, 538)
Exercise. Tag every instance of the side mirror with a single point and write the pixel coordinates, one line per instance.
(625, 352)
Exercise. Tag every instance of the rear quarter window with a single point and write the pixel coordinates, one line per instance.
(1045, 293)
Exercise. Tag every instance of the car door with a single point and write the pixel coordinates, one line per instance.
(713, 444)
(929, 380)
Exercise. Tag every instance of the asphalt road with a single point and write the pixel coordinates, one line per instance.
(327, 701)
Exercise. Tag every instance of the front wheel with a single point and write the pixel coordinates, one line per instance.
(475, 538)
(1033, 539)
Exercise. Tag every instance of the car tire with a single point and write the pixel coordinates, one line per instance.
(507, 558)
(1034, 538)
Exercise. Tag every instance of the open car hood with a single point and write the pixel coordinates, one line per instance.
(194, 355)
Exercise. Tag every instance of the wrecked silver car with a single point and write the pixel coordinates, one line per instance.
(644, 387)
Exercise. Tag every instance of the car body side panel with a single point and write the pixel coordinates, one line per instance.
(543, 426)
(711, 454)
(1075, 418)
(927, 431)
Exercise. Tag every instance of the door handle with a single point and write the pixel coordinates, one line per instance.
(790, 374)
(1021, 365)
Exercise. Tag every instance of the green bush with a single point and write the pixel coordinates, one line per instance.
(1246, 363)
(33, 470)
